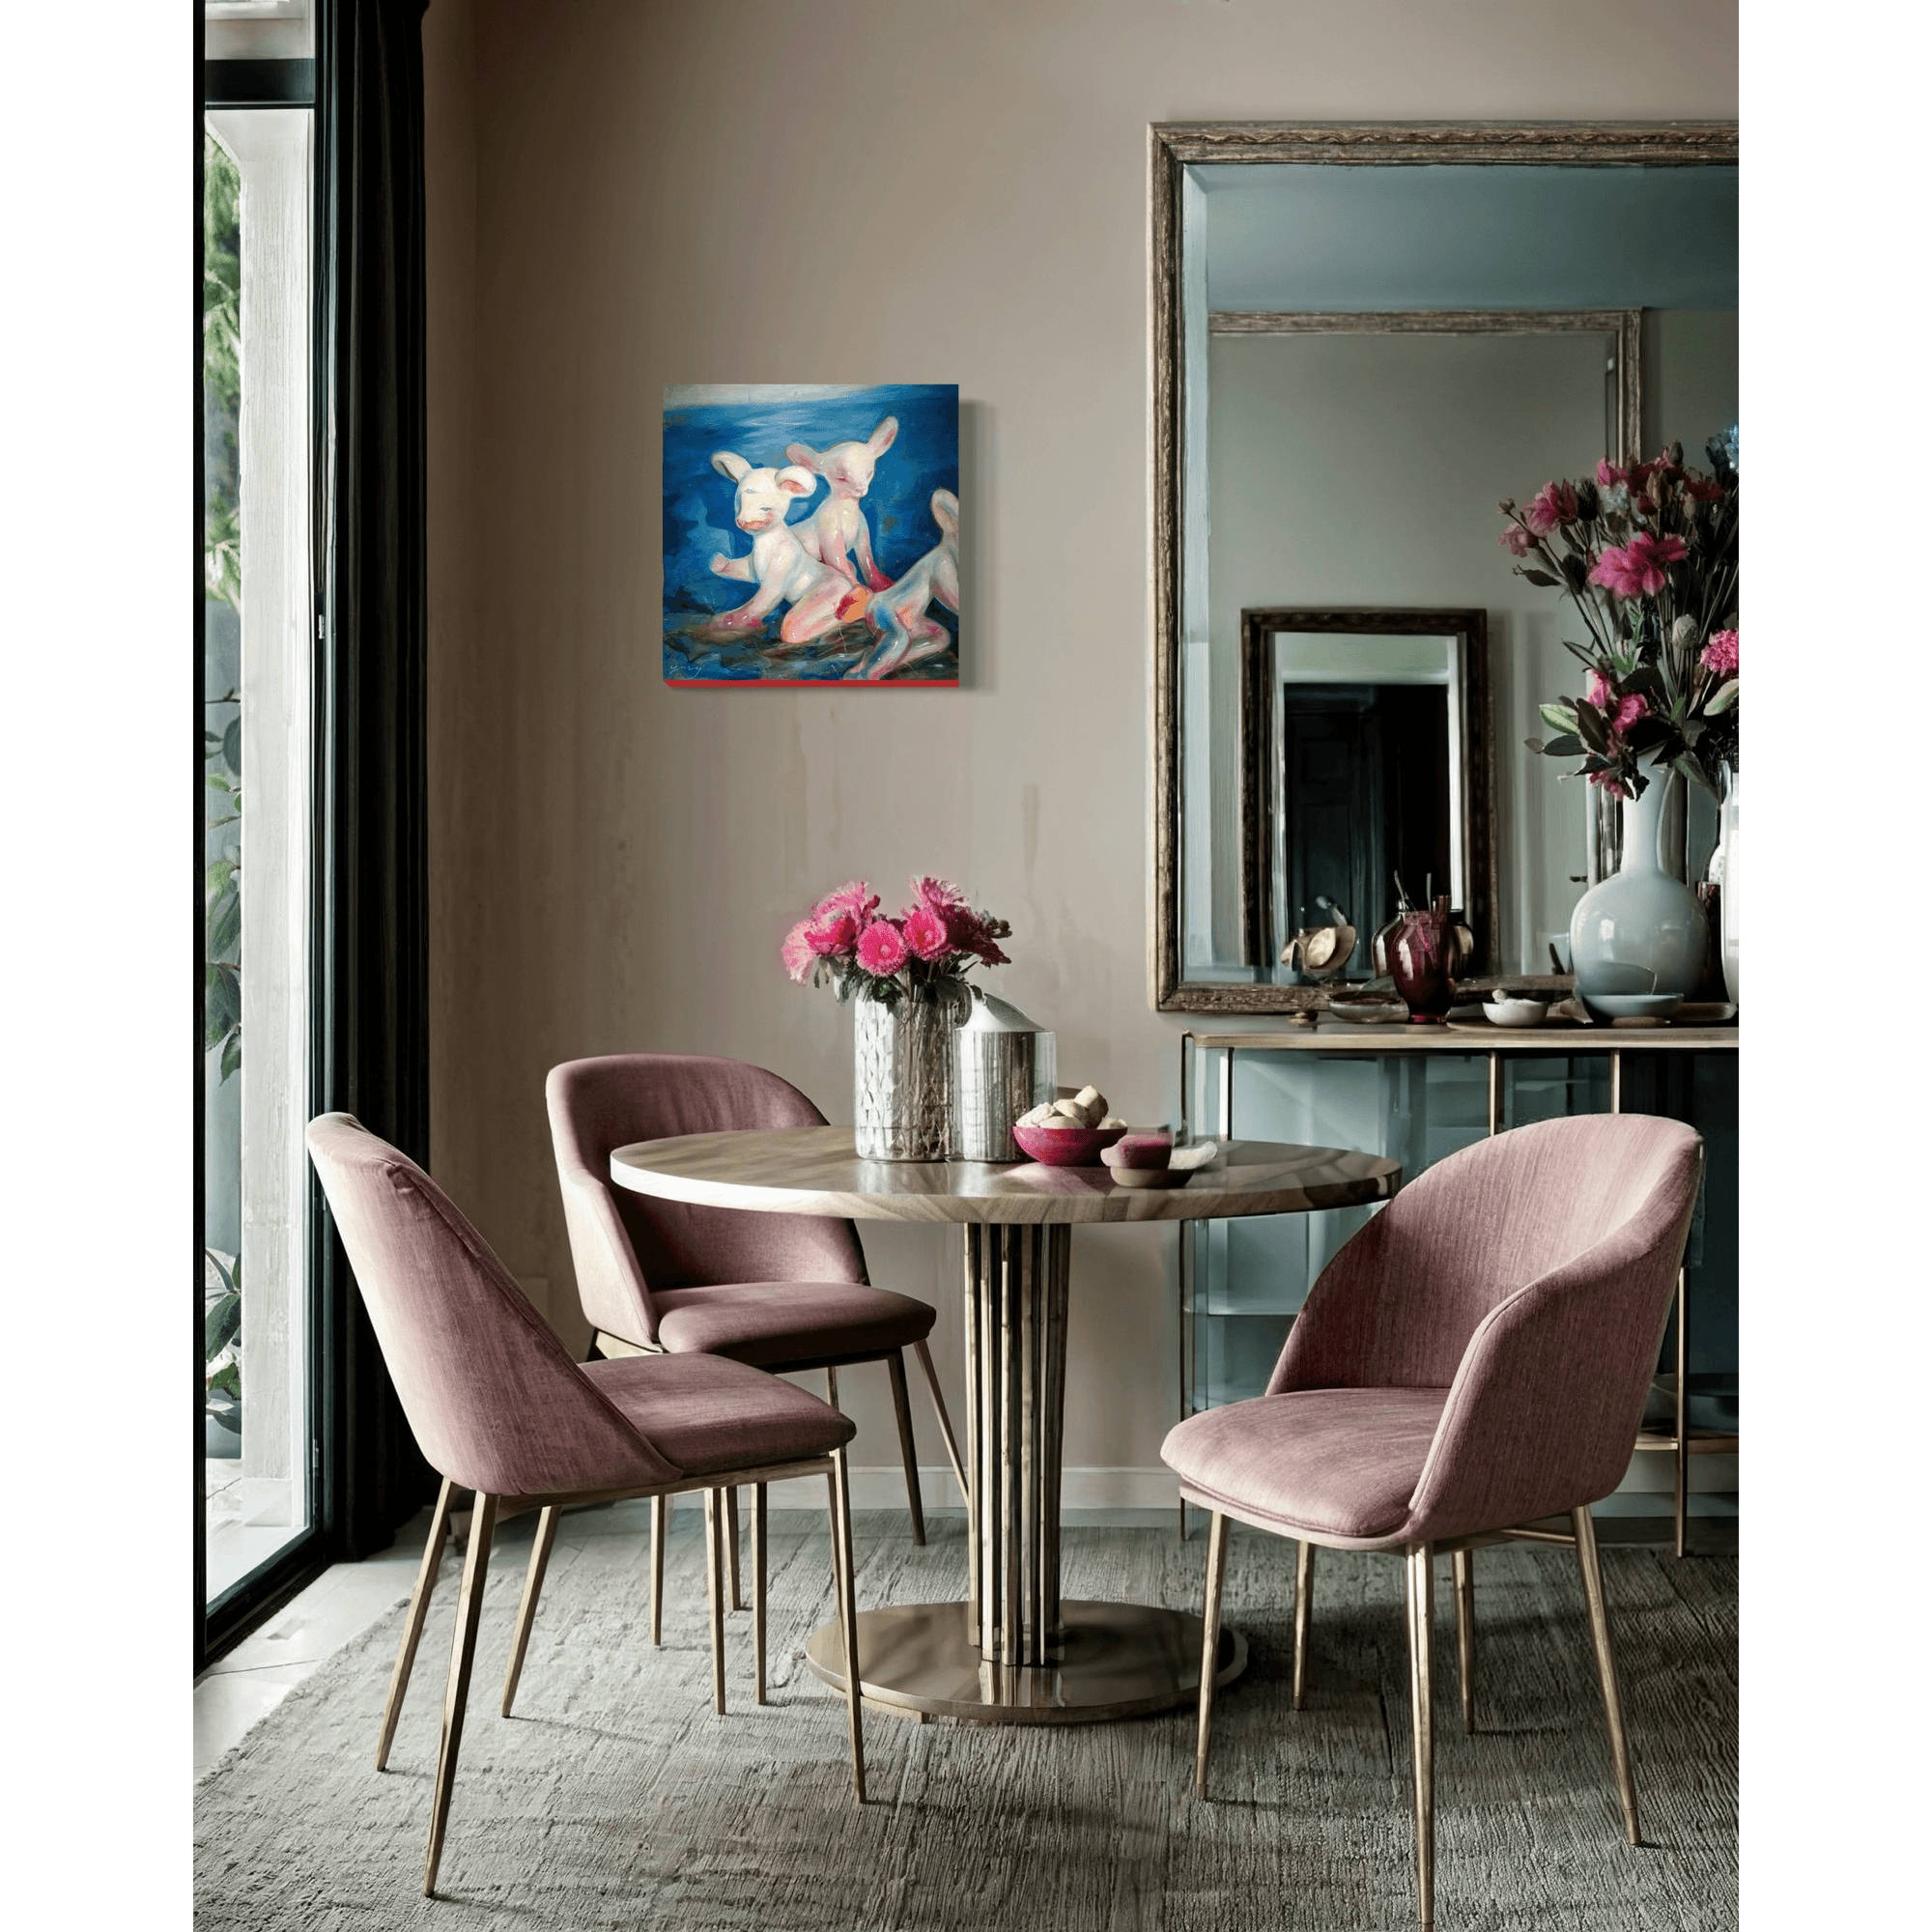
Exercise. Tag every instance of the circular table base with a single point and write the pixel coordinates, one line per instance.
(1121, 1660)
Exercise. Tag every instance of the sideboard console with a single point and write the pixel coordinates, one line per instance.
(1416, 1095)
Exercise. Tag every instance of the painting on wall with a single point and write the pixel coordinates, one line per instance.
(812, 533)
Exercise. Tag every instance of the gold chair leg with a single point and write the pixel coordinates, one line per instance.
(713, 1590)
(660, 1513)
(840, 1501)
(1464, 1566)
(731, 1546)
(462, 1657)
(1210, 1643)
(1420, 1560)
(908, 1452)
(1304, 1606)
(832, 1388)
(526, 1611)
(759, 1570)
(1607, 1667)
(1680, 1460)
(412, 1626)
(924, 1355)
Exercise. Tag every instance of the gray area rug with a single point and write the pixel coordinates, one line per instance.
(615, 1798)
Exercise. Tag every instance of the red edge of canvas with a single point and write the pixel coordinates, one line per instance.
(814, 683)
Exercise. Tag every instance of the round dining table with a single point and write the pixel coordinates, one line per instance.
(1014, 1651)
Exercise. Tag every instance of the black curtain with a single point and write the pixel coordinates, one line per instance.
(372, 858)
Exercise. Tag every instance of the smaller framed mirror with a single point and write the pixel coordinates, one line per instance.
(1367, 756)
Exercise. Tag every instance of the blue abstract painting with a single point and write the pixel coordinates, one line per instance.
(812, 533)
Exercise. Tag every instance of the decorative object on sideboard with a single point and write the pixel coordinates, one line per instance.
(1640, 934)
(1425, 956)
(1730, 899)
(907, 973)
(1514, 1010)
(1647, 556)
(857, 586)
(1322, 952)
(1003, 1067)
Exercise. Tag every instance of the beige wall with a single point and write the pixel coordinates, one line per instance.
(624, 195)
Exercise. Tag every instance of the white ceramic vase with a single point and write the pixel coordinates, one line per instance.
(1727, 898)
(1640, 930)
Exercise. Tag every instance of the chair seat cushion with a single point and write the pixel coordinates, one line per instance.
(1344, 1462)
(776, 1325)
(709, 1415)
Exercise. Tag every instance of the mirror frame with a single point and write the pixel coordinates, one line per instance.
(1176, 146)
(1260, 807)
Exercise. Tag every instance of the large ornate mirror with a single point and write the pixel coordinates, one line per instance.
(1363, 338)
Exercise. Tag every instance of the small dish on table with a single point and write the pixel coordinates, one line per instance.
(1515, 1009)
(1653, 1007)
(1065, 1146)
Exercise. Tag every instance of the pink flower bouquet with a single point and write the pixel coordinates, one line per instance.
(1648, 556)
(924, 951)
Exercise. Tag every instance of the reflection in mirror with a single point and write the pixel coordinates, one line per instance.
(1365, 762)
(1363, 338)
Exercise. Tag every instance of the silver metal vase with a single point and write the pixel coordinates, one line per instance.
(903, 1078)
(1003, 1066)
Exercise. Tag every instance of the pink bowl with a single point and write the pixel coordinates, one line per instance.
(1146, 1153)
(1066, 1147)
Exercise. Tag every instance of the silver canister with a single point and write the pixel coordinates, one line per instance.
(1003, 1066)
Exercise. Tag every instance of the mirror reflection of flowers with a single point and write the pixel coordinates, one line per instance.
(924, 951)
(1648, 556)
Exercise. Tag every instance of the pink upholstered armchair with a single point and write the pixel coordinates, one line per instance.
(786, 1293)
(500, 1409)
(1475, 1358)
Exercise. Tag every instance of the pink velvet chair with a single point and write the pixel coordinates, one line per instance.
(786, 1293)
(500, 1409)
(1475, 1358)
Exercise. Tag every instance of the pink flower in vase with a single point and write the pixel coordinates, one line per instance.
(855, 897)
(1701, 490)
(1598, 691)
(924, 932)
(829, 934)
(1517, 541)
(882, 949)
(1721, 654)
(1608, 476)
(1610, 782)
(796, 952)
(1638, 569)
(1628, 712)
(1553, 505)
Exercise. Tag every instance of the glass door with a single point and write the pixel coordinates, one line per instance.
(258, 1429)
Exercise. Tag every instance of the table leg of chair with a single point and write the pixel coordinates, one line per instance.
(526, 1611)
(1210, 1643)
(1304, 1606)
(846, 1591)
(760, 1569)
(1591, 1566)
(413, 1626)
(1421, 1580)
(832, 1387)
(462, 1659)
(660, 1513)
(908, 1450)
(731, 1546)
(713, 1590)
(1464, 1566)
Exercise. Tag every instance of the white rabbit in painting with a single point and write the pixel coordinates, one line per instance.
(907, 634)
(839, 524)
(821, 598)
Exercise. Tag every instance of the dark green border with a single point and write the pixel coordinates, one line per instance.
(99, 955)
(1836, 1191)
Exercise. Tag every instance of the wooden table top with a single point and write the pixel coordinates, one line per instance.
(815, 1171)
